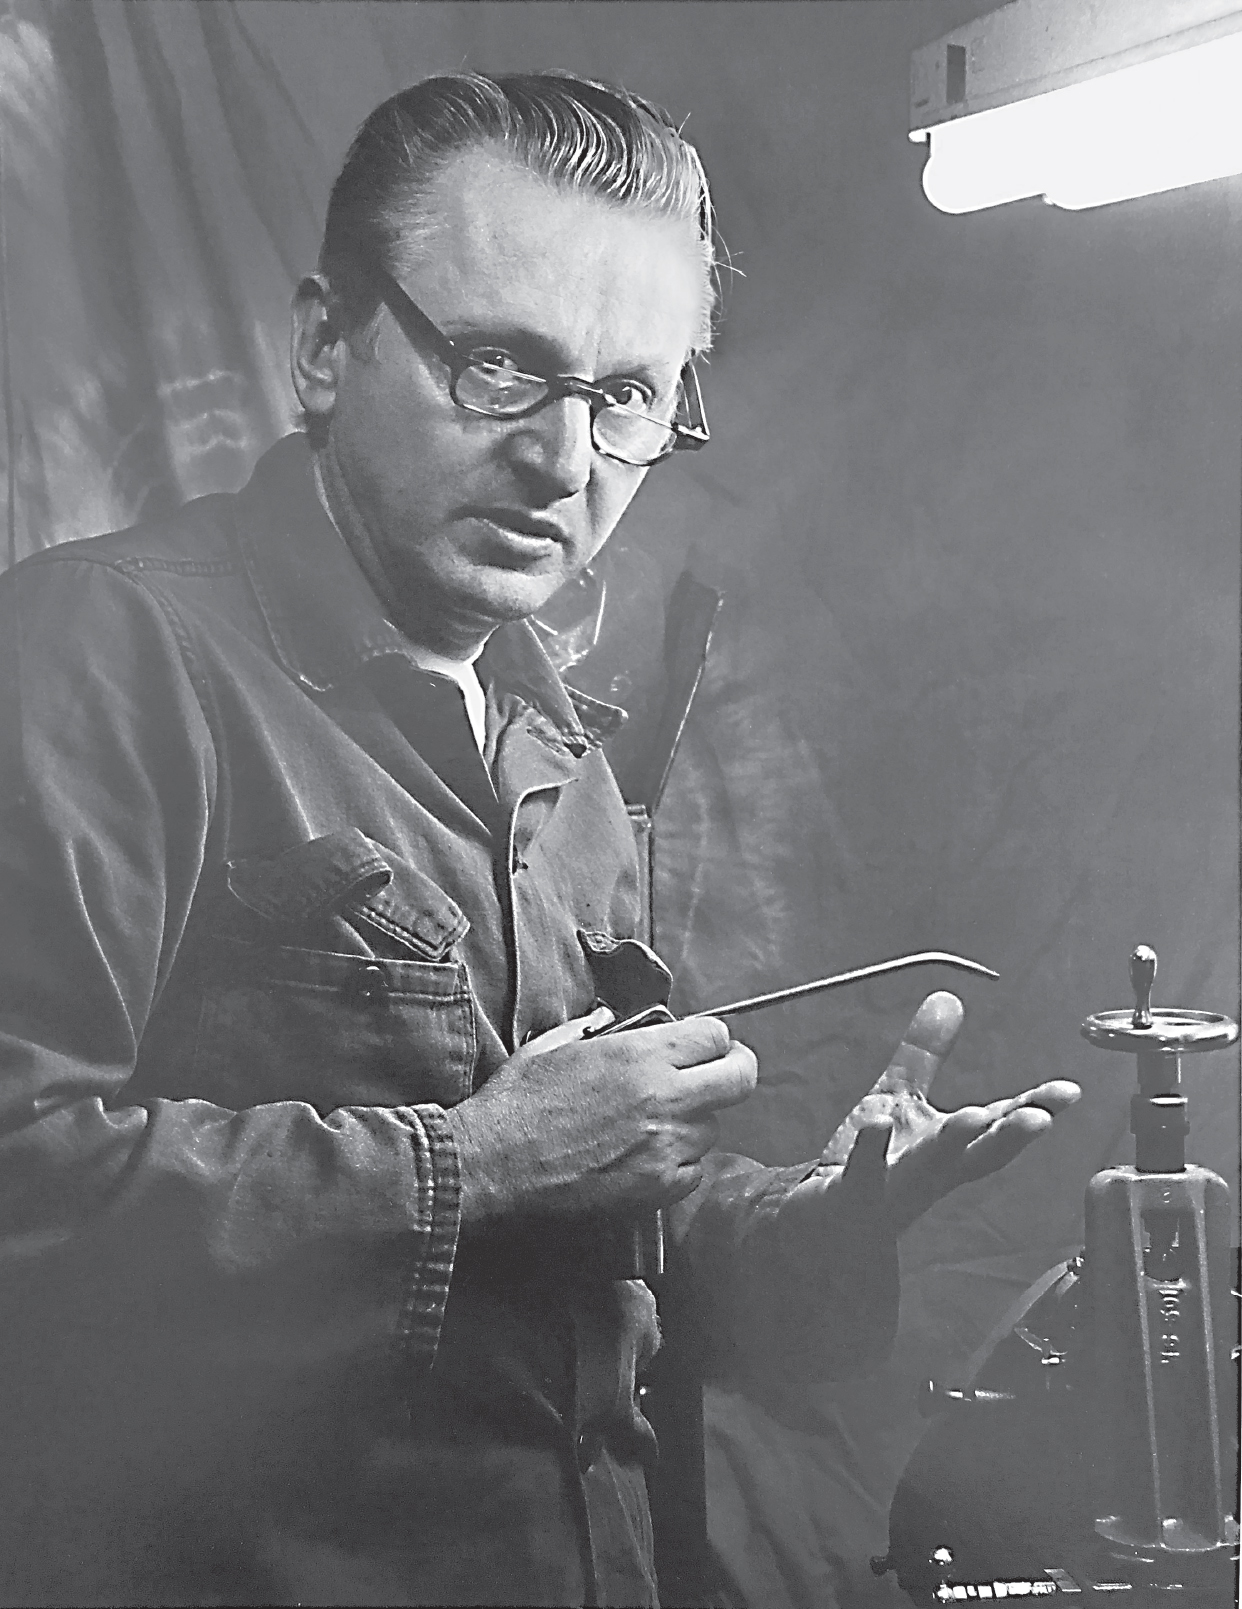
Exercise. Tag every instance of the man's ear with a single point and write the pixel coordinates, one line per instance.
(316, 349)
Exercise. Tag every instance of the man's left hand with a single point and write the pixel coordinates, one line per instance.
(928, 1152)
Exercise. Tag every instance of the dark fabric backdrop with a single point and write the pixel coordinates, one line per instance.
(974, 497)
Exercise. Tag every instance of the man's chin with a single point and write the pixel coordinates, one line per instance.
(473, 609)
(504, 604)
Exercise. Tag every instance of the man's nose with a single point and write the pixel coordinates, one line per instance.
(554, 447)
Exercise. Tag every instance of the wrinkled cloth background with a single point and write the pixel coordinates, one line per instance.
(974, 499)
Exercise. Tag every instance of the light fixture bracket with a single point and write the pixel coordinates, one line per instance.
(1029, 47)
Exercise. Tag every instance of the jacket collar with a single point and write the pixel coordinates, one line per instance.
(326, 623)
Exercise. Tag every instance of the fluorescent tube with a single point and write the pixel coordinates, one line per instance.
(1167, 122)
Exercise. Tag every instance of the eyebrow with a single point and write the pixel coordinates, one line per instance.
(529, 345)
(519, 338)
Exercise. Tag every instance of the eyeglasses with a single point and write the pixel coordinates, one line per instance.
(484, 380)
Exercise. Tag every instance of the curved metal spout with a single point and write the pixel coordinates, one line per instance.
(899, 963)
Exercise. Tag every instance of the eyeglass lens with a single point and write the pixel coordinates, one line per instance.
(621, 432)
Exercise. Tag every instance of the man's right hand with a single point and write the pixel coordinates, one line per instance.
(598, 1125)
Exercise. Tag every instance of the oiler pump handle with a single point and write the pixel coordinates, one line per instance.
(1159, 1037)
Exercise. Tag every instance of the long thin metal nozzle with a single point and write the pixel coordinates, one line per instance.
(923, 958)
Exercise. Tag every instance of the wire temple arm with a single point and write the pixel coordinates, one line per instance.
(899, 963)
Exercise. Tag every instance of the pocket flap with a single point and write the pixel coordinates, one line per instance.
(412, 909)
(310, 878)
(348, 872)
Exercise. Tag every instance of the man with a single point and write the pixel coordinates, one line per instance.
(310, 1182)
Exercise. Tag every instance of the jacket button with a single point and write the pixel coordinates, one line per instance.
(589, 1446)
(371, 982)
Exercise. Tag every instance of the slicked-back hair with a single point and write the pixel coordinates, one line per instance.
(591, 137)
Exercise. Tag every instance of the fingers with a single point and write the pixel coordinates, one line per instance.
(927, 1041)
(675, 1166)
(711, 1070)
(981, 1139)
(690, 1041)
(1052, 1097)
(698, 1139)
(862, 1189)
(727, 1081)
(1003, 1140)
(866, 1163)
(936, 1023)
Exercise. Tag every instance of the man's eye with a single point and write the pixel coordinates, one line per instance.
(495, 357)
(629, 394)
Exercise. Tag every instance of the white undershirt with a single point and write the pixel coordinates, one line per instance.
(467, 678)
(460, 671)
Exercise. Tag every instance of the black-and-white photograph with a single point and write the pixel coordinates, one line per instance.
(619, 802)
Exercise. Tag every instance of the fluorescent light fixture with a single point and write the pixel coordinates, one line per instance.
(1080, 103)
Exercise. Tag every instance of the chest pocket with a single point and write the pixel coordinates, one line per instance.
(331, 978)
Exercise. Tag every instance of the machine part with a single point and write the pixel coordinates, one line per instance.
(878, 969)
(641, 753)
(1004, 1487)
(654, 1009)
(644, 844)
(1142, 977)
(994, 1486)
(648, 1017)
(1157, 1283)
(1092, 1445)
(633, 1248)
(935, 1398)
(628, 975)
(630, 979)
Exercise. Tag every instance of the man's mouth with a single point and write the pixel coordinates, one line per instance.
(522, 532)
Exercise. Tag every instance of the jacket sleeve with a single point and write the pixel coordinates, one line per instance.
(782, 1291)
(177, 1249)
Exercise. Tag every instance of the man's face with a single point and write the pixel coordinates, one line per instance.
(476, 520)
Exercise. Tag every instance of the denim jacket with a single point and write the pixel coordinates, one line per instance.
(253, 946)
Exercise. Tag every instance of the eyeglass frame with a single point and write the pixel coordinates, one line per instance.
(687, 437)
